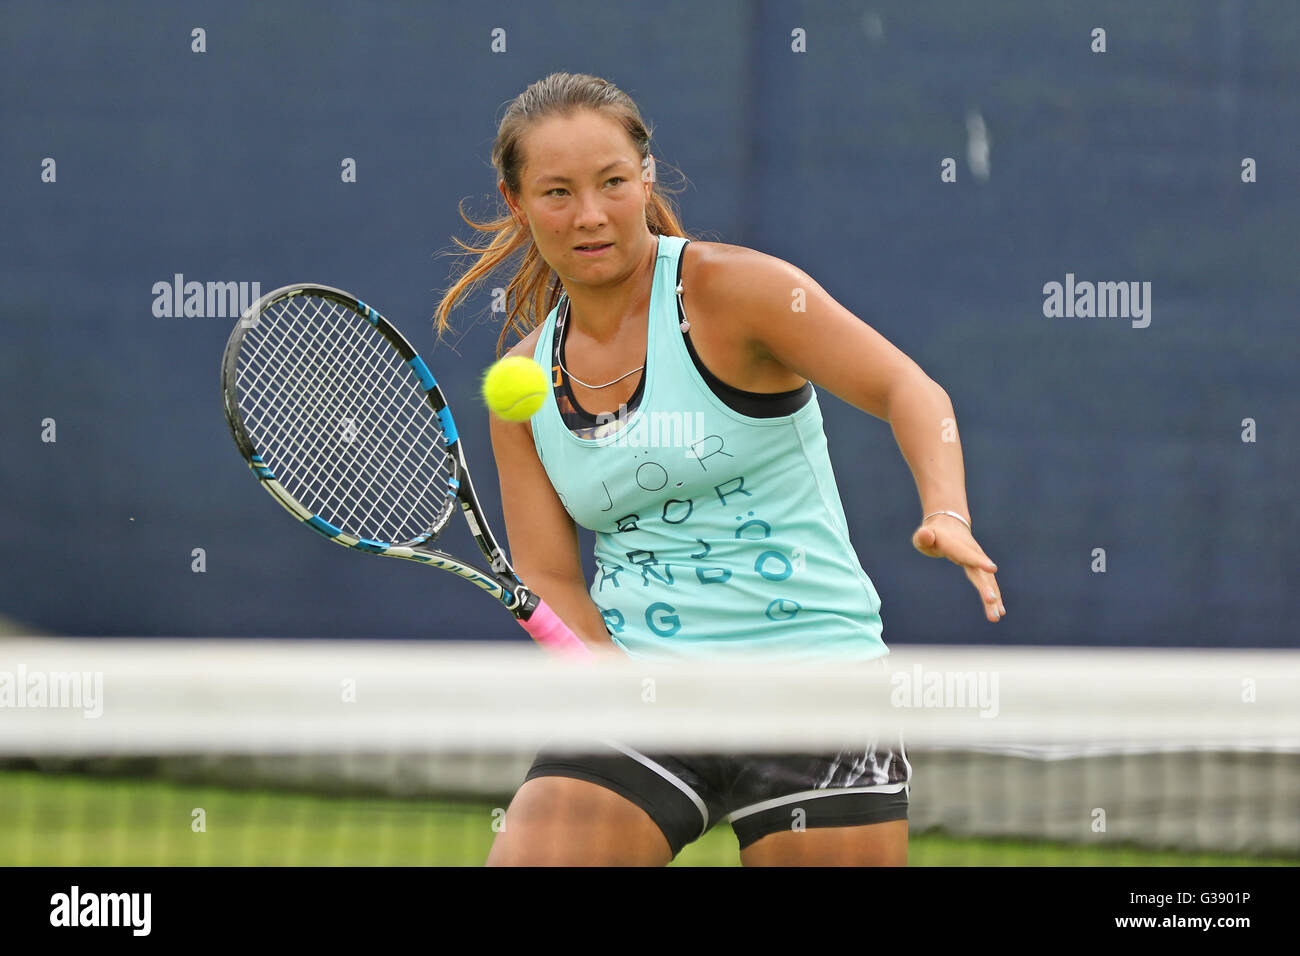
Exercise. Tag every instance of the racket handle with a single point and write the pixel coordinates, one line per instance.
(546, 628)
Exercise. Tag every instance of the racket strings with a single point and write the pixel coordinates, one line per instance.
(341, 420)
(375, 360)
(355, 505)
(325, 429)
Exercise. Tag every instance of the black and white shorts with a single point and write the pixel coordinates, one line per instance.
(757, 793)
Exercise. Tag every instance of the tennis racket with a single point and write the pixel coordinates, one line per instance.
(343, 424)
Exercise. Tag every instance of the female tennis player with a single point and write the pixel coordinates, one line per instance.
(683, 429)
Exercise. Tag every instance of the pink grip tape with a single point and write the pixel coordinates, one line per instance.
(546, 628)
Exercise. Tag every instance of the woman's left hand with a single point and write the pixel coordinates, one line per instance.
(942, 536)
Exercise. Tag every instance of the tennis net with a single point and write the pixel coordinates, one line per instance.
(380, 753)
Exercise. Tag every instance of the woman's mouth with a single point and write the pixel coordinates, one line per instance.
(592, 249)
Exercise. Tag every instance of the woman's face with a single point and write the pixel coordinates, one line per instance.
(582, 184)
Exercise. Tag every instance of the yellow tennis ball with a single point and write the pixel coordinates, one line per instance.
(515, 387)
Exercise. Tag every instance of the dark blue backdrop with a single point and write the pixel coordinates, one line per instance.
(1078, 433)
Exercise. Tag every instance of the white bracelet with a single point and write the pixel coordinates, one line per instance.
(952, 514)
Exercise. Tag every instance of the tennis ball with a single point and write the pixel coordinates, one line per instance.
(515, 387)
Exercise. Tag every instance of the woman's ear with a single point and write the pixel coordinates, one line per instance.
(514, 211)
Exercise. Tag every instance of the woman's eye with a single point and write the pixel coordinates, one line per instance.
(561, 189)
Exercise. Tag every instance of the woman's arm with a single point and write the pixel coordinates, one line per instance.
(780, 315)
(542, 537)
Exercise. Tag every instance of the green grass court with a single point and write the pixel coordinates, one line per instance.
(71, 820)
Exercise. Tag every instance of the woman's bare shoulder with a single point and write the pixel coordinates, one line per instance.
(720, 266)
(733, 287)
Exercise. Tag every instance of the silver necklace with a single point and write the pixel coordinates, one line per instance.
(564, 324)
(564, 321)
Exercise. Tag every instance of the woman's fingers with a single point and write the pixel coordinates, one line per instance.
(961, 548)
(990, 594)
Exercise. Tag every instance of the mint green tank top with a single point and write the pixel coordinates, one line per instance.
(717, 534)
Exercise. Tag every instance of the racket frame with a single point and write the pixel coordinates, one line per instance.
(499, 579)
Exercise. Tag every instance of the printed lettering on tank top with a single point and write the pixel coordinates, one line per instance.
(644, 567)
